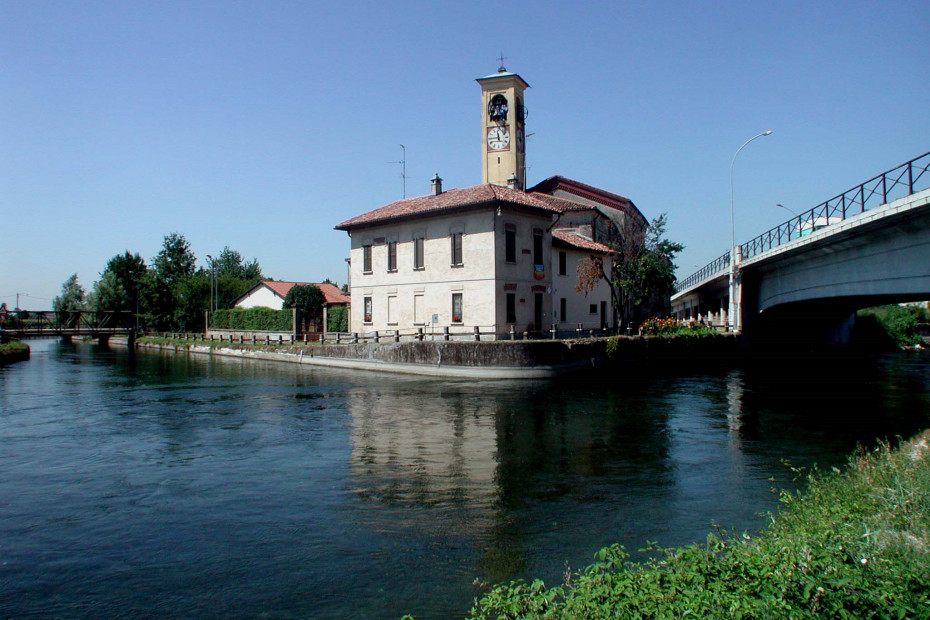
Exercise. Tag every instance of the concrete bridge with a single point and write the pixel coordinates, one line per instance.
(865, 247)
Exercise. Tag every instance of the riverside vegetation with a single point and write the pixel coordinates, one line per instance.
(896, 325)
(13, 352)
(853, 544)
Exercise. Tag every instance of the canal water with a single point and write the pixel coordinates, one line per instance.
(166, 485)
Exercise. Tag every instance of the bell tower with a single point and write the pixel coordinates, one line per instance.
(503, 136)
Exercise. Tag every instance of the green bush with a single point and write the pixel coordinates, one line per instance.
(854, 544)
(337, 319)
(253, 319)
(898, 322)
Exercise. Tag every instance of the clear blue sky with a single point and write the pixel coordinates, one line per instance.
(262, 125)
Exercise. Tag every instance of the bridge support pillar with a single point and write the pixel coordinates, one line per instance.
(103, 340)
(66, 339)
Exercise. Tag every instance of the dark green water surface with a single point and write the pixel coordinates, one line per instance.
(157, 486)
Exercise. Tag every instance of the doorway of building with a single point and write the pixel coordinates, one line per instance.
(537, 311)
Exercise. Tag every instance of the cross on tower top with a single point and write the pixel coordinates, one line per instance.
(502, 68)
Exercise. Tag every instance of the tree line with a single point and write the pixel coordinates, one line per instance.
(169, 293)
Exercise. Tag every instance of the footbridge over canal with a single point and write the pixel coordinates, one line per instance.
(66, 325)
(865, 247)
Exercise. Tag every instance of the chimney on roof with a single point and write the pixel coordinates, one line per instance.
(513, 182)
(436, 185)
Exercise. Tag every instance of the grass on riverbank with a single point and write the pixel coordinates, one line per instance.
(13, 351)
(853, 544)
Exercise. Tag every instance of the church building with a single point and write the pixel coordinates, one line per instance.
(497, 256)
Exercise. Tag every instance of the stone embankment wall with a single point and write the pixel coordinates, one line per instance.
(498, 359)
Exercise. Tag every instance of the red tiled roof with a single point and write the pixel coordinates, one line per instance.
(332, 294)
(582, 243)
(564, 204)
(450, 200)
(582, 190)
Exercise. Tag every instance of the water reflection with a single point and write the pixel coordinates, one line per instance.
(219, 487)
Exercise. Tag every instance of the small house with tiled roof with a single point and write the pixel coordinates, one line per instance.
(272, 293)
(495, 256)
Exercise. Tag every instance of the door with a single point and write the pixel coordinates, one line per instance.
(537, 311)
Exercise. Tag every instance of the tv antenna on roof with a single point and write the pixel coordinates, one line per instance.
(403, 163)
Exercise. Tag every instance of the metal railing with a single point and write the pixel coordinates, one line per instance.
(714, 267)
(896, 183)
(29, 323)
(456, 333)
(462, 333)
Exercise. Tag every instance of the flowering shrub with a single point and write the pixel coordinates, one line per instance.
(656, 326)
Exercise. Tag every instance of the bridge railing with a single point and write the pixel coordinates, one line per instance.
(716, 266)
(896, 183)
(901, 181)
(30, 322)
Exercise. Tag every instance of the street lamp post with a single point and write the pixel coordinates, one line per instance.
(791, 211)
(212, 278)
(733, 322)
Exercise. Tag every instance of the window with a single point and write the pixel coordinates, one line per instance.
(418, 253)
(366, 258)
(392, 256)
(563, 314)
(511, 307)
(537, 247)
(367, 306)
(457, 308)
(563, 264)
(510, 243)
(419, 310)
(392, 310)
(592, 308)
(457, 249)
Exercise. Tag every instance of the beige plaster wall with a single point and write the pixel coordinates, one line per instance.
(407, 298)
(263, 297)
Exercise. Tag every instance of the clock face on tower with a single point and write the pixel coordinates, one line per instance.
(498, 138)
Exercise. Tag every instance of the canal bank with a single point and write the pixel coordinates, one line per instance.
(13, 351)
(491, 360)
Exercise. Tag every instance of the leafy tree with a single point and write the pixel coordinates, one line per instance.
(130, 271)
(234, 276)
(120, 285)
(175, 261)
(72, 296)
(108, 294)
(230, 263)
(308, 298)
(641, 272)
(192, 297)
(167, 294)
